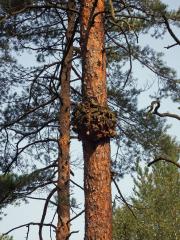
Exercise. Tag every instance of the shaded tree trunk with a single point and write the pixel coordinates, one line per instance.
(63, 228)
(97, 174)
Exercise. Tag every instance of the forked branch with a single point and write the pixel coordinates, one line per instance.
(155, 105)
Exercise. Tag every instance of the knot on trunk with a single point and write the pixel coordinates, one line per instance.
(92, 121)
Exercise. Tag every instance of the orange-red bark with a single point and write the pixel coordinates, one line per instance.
(63, 228)
(93, 51)
(97, 176)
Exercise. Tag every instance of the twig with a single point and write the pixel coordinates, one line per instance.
(27, 235)
(42, 199)
(52, 222)
(71, 234)
(156, 106)
(164, 159)
(27, 113)
(77, 215)
(170, 46)
(29, 224)
(166, 114)
(122, 197)
(112, 10)
(44, 212)
(77, 185)
(170, 30)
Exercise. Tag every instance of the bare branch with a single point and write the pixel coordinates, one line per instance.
(29, 224)
(171, 31)
(27, 113)
(71, 234)
(41, 199)
(122, 197)
(166, 114)
(155, 105)
(170, 46)
(44, 212)
(164, 159)
(77, 215)
(77, 185)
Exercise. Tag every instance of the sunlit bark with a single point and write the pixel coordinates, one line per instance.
(63, 228)
(97, 177)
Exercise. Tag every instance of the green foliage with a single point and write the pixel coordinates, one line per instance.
(29, 96)
(6, 237)
(11, 6)
(155, 201)
(14, 187)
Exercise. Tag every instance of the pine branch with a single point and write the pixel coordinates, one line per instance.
(161, 158)
(176, 39)
(29, 224)
(166, 114)
(36, 7)
(27, 113)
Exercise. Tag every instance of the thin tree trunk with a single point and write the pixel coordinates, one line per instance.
(63, 228)
(97, 174)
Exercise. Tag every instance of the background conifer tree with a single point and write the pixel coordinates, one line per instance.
(155, 201)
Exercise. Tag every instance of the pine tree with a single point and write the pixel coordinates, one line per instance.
(96, 142)
(155, 201)
(30, 119)
(63, 185)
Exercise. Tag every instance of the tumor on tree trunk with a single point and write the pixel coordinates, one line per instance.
(92, 121)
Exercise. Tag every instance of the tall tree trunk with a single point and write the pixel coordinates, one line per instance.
(97, 174)
(63, 228)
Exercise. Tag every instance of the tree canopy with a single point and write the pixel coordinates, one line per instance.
(31, 99)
